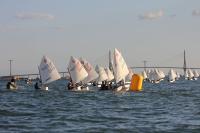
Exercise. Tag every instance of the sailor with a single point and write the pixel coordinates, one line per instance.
(37, 86)
(70, 85)
(8, 85)
(104, 85)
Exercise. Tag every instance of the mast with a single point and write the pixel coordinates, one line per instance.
(145, 65)
(110, 61)
(10, 67)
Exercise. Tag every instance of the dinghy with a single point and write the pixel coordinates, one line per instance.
(196, 74)
(162, 74)
(12, 84)
(120, 71)
(172, 76)
(186, 75)
(102, 79)
(190, 74)
(144, 75)
(77, 74)
(48, 73)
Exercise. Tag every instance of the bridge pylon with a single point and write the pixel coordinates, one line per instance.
(184, 64)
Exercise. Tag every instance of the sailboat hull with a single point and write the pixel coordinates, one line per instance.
(80, 88)
(122, 89)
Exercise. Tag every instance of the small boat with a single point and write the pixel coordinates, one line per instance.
(120, 71)
(11, 86)
(48, 73)
(144, 75)
(102, 79)
(196, 74)
(190, 74)
(77, 75)
(172, 76)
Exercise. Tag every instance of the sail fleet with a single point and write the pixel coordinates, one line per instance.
(117, 77)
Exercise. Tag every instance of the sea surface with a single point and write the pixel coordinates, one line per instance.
(159, 108)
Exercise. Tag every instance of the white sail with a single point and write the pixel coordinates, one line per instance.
(157, 75)
(102, 74)
(186, 75)
(190, 74)
(48, 71)
(196, 74)
(120, 67)
(144, 75)
(154, 76)
(109, 74)
(148, 73)
(178, 75)
(76, 70)
(151, 75)
(92, 74)
(129, 76)
(162, 74)
(172, 75)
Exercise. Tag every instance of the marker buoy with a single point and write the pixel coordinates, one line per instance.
(136, 82)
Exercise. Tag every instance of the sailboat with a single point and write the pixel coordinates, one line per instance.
(120, 71)
(151, 75)
(177, 75)
(48, 72)
(172, 76)
(77, 74)
(186, 75)
(190, 74)
(144, 75)
(103, 77)
(196, 74)
(162, 74)
(12, 84)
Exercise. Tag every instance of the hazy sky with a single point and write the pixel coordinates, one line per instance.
(153, 30)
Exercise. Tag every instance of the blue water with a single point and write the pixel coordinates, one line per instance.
(164, 107)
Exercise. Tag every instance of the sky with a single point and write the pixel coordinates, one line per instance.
(154, 30)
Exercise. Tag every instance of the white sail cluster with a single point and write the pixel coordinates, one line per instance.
(82, 72)
(154, 75)
(157, 75)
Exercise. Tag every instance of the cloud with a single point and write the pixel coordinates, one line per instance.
(152, 15)
(39, 16)
(196, 12)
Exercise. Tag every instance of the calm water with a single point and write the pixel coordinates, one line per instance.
(159, 108)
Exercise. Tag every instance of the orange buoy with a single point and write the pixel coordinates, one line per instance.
(136, 82)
